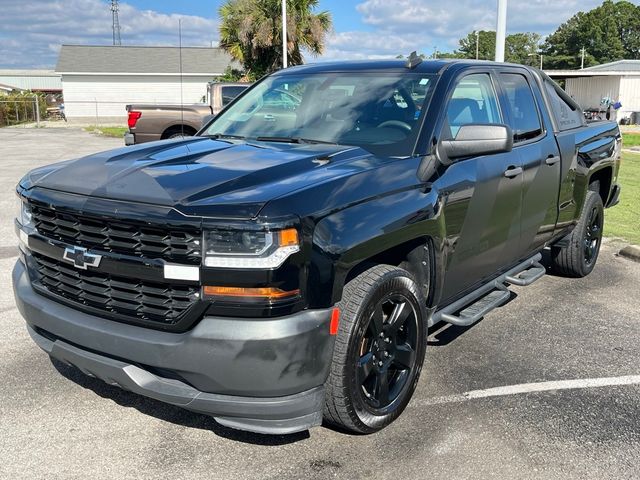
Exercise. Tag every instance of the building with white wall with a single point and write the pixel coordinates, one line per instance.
(619, 81)
(99, 81)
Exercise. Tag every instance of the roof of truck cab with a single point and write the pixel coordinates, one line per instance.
(427, 66)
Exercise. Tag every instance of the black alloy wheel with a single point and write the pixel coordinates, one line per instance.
(593, 235)
(387, 352)
(379, 350)
(578, 256)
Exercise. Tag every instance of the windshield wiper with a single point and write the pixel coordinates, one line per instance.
(223, 135)
(293, 140)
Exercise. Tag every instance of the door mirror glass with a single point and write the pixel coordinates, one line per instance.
(475, 140)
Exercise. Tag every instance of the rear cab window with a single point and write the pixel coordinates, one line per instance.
(231, 92)
(566, 113)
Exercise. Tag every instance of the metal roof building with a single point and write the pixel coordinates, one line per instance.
(35, 80)
(618, 81)
(99, 81)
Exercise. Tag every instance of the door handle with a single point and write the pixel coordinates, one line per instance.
(552, 159)
(513, 171)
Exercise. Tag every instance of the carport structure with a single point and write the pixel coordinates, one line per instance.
(618, 81)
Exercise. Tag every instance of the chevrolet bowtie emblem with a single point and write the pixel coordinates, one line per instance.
(81, 258)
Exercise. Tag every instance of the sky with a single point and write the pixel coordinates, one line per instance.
(31, 31)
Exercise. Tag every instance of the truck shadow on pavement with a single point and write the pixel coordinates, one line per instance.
(170, 413)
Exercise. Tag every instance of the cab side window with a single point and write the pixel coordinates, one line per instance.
(473, 102)
(525, 118)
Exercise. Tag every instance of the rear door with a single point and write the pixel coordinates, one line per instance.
(483, 194)
(535, 146)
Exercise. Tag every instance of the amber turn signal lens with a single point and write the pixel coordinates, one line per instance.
(288, 237)
(267, 293)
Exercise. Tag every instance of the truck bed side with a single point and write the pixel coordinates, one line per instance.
(157, 122)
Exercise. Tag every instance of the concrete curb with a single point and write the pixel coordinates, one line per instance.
(631, 252)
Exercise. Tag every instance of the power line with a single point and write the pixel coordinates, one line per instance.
(115, 22)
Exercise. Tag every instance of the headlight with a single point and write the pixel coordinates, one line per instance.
(23, 213)
(249, 248)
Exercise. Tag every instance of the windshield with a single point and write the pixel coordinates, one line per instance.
(376, 111)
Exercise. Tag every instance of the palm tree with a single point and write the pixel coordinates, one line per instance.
(251, 32)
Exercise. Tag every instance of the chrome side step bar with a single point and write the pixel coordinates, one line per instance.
(472, 307)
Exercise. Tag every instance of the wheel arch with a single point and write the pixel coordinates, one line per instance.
(600, 181)
(178, 127)
(409, 253)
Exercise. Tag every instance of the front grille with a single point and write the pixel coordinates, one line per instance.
(127, 238)
(147, 301)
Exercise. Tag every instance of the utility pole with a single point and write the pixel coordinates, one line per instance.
(285, 50)
(539, 54)
(477, 44)
(501, 30)
(582, 61)
(115, 23)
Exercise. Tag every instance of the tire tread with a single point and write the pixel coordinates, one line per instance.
(568, 261)
(338, 411)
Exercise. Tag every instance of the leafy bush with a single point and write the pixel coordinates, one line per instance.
(20, 107)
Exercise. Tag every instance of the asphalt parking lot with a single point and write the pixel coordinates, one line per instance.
(585, 333)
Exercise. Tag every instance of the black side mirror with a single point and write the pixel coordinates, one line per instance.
(475, 140)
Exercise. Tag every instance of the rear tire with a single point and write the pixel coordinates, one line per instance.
(177, 132)
(379, 350)
(579, 257)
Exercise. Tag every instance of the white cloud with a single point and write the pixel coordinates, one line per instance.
(33, 31)
(369, 45)
(400, 26)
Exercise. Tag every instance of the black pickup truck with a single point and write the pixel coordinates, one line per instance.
(283, 266)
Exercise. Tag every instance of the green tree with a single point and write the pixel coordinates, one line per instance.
(232, 75)
(607, 33)
(483, 40)
(523, 48)
(251, 31)
(519, 47)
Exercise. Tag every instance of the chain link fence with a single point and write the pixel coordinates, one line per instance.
(34, 110)
(16, 111)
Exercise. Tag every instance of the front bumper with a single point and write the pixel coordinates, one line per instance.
(262, 375)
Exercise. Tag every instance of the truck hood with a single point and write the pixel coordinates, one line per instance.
(201, 176)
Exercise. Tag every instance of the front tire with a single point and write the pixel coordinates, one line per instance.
(579, 257)
(379, 350)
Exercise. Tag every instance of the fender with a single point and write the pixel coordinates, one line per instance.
(349, 237)
(585, 152)
(596, 153)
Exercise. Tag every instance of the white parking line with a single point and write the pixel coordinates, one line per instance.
(532, 387)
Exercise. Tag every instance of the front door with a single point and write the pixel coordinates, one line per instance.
(482, 198)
